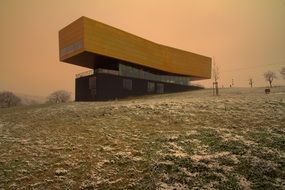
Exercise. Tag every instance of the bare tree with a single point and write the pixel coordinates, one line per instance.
(216, 77)
(215, 72)
(282, 72)
(250, 82)
(59, 96)
(270, 76)
(9, 99)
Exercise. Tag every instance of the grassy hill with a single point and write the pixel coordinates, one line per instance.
(188, 140)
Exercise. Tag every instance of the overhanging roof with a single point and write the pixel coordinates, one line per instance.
(85, 41)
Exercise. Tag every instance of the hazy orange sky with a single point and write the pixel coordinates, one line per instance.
(245, 37)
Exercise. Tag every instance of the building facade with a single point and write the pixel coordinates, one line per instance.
(123, 64)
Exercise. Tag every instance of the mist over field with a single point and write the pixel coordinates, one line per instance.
(189, 140)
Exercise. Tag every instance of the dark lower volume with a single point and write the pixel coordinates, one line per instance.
(102, 86)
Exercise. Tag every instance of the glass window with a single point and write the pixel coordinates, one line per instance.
(130, 71)
(150, 86)
(93, 93)
(92, 83)
(127, 84)
(71, 48)
(160, 88)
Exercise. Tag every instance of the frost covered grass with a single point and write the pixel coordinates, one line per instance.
(188, 140)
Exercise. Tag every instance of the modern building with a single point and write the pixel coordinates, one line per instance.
(123, 64)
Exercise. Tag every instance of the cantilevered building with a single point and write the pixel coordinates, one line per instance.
(124, 64)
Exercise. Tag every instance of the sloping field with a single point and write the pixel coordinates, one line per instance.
(189, 140)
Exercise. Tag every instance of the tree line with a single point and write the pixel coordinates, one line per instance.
(269, 77)
(9, 99)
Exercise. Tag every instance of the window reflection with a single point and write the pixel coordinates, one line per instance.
(129, 71)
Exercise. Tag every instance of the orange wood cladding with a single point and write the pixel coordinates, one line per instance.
(105, 40)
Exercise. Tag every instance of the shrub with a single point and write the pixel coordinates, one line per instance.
(59, 96)
(9, 99)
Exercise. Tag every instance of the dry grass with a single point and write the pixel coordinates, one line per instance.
(178, 141)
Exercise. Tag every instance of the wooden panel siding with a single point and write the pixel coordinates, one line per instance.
(71, 34)
(104, 40)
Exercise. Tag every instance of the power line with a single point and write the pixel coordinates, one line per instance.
(248, 68)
